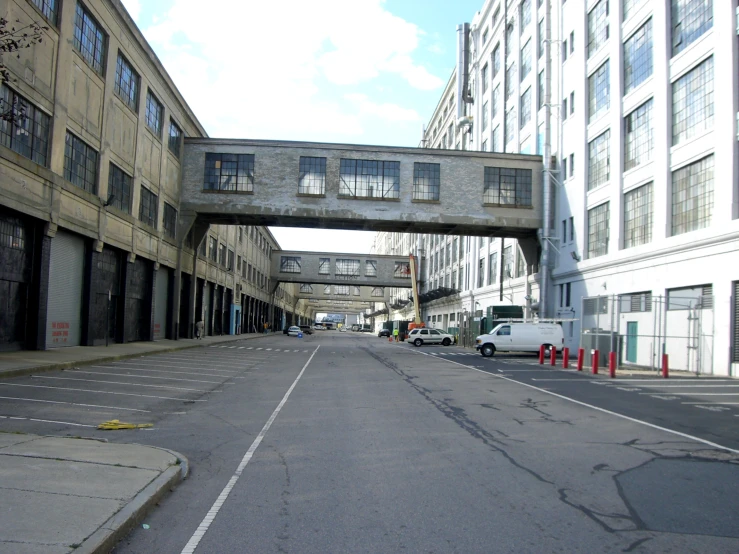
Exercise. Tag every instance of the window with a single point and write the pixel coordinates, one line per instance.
(506, 186)
(572, 165)
(12, 233)
(119, 189)
(496, 60)
(564, 231)
(307, 289)
(126, 83)
(148, 205)
(564, 51)
(510, 124)
(290, 264)
(378, 292)
(508, 262)
(49, 8)
(638, 136)
(572, 102)
(597, 26)
(540, 103)
(526, 59)
(496, 101)
(564, 168)
(635, 302)
(170, 221)
(598, 231)
(238, 264)
(484, 78)
(369, 179)
(26, 129)
(370, 268)
(402, 270)
(565, 295)
(599, 90)
(696, 298)
(520, 263)
(229, 172)
(638, 216)
(347, 269)
(80, 164)
(492, 268)
(426, 181)
(510, 76)
(630, 6)
(485, 116)
(175, 138)
(692, 196)
(638, 57)
(89, 39)
(525, 14)
(312, 176)
(599, 161)
(564, 109)
(213, 249)
(572, 42)
(154, 114)
(497, 146)
(484, 36)
(324, 266)
(690, 20)
(542, 37)
(496, 16)
(692, 103)
(484, 145)
(525, 107)
(572, 229)
(481, 273)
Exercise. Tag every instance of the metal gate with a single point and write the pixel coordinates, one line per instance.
(66, 277)
(161, 303)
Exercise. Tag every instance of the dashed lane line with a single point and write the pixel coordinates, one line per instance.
(192, 544)
(102, 392)
(72, 403)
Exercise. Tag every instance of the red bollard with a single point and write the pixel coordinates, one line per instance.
(565, 358)
(541, 355)
(665, 366)
(580, 358)
(612, 364)
(596, 360)
(553, 356)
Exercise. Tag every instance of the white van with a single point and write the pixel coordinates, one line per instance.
(520, 337)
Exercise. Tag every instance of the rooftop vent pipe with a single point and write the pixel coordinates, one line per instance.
(463, 73)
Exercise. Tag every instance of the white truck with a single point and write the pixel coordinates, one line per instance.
(520, 337)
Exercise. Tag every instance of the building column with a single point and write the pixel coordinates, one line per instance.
(37, 341)
(152, 301)
(126, 267)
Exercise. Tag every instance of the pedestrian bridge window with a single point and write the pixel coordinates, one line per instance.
(426, 181)
(507, 187)
(347, 269)
(305, 288)
(378, 292)
(402, 270)
(312, 179)
(369, 179)
(370, 268)
(289, 264)
(229, 172)
(324, 266)
(341, 290)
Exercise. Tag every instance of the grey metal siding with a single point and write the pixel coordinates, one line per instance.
(66, 279)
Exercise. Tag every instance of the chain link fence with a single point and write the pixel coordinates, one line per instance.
(641, 327)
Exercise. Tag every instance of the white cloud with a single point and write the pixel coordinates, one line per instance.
(258, 69)
(133, 7)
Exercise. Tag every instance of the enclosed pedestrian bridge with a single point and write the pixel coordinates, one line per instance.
(373, 188)
(343, 292)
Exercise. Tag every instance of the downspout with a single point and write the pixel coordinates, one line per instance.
(463, 75)
(546, 231)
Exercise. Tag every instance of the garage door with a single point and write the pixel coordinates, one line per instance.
(161, 303)
(66, 277)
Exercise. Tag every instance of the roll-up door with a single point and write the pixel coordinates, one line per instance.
(66, 278)
(161, 303)
(736, 321)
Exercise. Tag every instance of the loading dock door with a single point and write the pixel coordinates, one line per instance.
(66, 277)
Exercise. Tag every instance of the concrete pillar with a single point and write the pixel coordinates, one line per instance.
(40, 309)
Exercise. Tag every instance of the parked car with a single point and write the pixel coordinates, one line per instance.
(293, 331)
(429, 336)
(306, 329)
(342, 329)
(520, 337)
(319, 327)
(384, 333)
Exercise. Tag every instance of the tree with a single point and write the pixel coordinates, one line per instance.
(12, 41)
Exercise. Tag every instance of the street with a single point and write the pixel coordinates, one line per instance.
(345, 442)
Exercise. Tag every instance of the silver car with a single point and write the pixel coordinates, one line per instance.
(429, 336)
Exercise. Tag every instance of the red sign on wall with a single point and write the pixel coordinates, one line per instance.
(60, 331)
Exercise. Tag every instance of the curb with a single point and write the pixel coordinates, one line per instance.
(122, 522)
(20, 372)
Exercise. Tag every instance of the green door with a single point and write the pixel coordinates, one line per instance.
(631, 334)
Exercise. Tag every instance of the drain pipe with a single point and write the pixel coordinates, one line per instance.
(463, 75)
(546, 231)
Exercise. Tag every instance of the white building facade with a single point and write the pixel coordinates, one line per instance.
(646, 223)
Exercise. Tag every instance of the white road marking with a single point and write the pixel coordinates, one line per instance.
(712, 408)
(242, 347)
(168, 371)
(719, 402)
(151, 376)
(100, 392)
(118, 383)
(47, 421)
(259, 349)
(681, 380)
(694, 386)
(268, 349)
(701, 393)
(179, 366)
(72, 403)
(596, 408)
(192, 544)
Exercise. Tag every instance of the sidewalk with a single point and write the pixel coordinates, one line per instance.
(76, 495)
(25, 362)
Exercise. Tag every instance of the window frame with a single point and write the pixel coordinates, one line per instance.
(96, 57)
(154, 116)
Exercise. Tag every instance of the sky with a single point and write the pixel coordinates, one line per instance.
(349, 71)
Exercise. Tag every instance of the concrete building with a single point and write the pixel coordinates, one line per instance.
(90, 196)
(645, 239)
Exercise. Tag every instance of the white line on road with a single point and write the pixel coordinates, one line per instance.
(168, 371)
(712, 403)
(192, 544)
(179, 366)
(118, 383)
(149, 376)
(698, 393)
(47, 421)
(603, 410)
(101, 392)
(71, 403)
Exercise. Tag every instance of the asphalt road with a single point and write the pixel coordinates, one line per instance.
(382, 447)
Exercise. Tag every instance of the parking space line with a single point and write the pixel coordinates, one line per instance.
(138, 364)
(689, 386)
(102, 392)
(698, 393)
(711, 403)
(47, 421)
(72, 403)
(149, 377)
(117, 383)
(169, 371)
